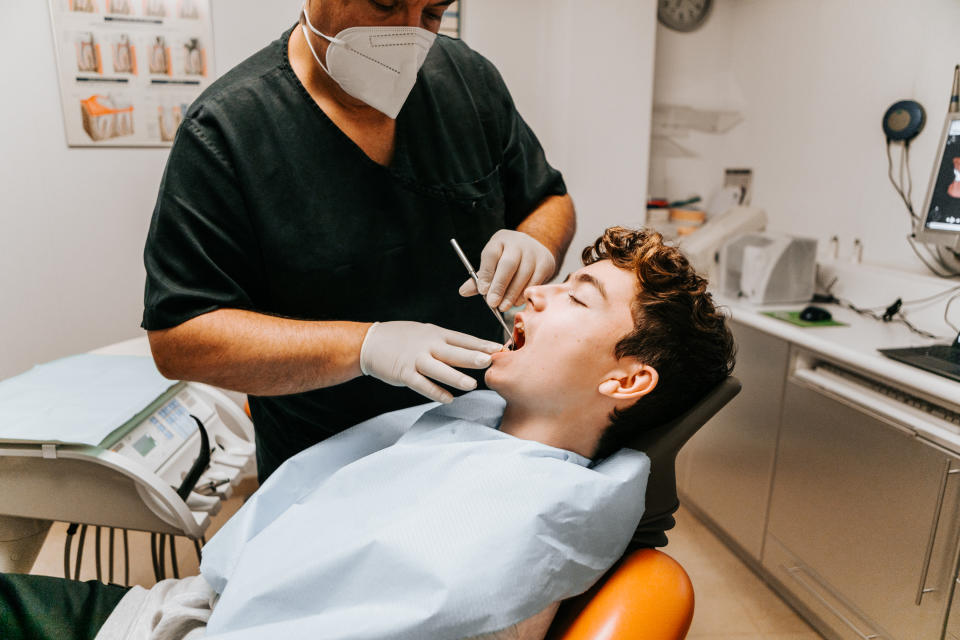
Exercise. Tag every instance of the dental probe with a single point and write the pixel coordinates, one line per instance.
(476, 280)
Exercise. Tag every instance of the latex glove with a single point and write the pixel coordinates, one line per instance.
(411, 353)
(511, 262)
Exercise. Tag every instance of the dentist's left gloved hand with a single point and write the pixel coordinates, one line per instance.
(409, 353)
(510, 262)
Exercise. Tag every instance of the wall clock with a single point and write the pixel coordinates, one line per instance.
(683, 15)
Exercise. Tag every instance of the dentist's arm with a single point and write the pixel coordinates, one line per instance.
(514, 260)
(266, 355)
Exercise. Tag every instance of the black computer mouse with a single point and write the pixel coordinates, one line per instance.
(815, 314)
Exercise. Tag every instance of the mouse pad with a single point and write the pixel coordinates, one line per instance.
(793, 317)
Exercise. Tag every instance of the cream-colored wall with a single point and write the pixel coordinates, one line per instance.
(581, 74)
(812, 79)
(73, 221)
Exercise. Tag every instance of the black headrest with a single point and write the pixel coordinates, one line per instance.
(661, 445)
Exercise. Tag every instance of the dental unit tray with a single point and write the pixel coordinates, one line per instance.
(129, 480)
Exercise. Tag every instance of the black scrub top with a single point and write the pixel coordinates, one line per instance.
(266, 205)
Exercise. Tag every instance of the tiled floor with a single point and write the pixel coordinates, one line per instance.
(732, 603)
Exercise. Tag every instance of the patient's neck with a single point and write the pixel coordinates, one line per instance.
(576, 430)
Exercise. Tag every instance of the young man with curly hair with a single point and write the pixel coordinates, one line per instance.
(472, 519)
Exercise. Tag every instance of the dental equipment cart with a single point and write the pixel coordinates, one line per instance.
(159, 472)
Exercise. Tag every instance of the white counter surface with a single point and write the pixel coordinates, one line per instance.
(855, 346)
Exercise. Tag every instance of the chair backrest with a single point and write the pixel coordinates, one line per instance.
(647, 595)
(662, 445)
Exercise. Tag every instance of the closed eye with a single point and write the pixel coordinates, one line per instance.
(576, 300)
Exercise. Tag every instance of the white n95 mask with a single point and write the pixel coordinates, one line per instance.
(378, 65)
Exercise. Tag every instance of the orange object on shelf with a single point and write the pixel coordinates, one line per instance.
(688, 215)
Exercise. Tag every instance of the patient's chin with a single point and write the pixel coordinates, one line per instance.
(494, 378)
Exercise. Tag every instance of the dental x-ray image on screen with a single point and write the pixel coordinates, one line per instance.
(941, 224)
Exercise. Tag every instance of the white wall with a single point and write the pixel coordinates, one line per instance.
(581, 74)
(73, 221)
(813, 79)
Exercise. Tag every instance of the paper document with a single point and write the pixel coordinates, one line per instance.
(79, 399)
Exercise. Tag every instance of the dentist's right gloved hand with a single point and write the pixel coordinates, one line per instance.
(412, 353)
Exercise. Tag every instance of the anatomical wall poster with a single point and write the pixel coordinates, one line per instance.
(128, 69)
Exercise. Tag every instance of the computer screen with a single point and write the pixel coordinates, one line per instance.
(941, 214)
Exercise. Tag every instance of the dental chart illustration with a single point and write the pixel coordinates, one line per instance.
(168, 119)
(124, 55)
(194, 58)
(128, 69)
(159, 56)
(120, 7)
(88, 53)
(106, 117)
(88, 6)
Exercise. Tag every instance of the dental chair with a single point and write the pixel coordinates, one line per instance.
(647, 595)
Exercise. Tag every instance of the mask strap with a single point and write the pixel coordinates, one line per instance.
(306, 17)
(306, 36)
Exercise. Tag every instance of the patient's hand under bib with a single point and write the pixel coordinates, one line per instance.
(421, 523)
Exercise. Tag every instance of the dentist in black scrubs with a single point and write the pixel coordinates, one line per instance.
(299, 250)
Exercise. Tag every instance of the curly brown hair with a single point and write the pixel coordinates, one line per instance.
(677, 330)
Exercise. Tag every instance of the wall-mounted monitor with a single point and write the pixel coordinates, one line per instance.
(940, 217)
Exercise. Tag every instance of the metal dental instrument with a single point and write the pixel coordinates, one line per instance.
(476, 280)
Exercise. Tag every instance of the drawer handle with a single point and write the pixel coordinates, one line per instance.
(795, 573)
(921, 589)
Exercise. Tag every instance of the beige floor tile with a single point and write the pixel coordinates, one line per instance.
(732, 602)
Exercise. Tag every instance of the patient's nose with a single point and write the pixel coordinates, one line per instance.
(535, 297)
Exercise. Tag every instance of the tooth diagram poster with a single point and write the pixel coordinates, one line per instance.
(128, 69)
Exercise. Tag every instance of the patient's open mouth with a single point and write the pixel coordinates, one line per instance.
(519, 336)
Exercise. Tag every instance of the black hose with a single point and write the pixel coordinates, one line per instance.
(126, 560)
(162, 563)
(99, 570)
(153, 556)
(200, 464)
(173, 557)
(111, 555)
(80, 540)
(71, 530)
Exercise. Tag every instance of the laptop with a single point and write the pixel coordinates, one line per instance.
(940, 225)
(941, 359)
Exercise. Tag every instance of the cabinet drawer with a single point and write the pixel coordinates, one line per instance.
(833, 615)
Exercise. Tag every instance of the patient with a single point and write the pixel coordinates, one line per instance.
(475, 518)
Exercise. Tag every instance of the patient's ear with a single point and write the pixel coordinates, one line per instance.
(630, 381)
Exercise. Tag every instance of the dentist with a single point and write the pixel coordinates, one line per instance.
(299, 248)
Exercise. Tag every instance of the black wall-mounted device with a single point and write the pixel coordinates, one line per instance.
(904, 120)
